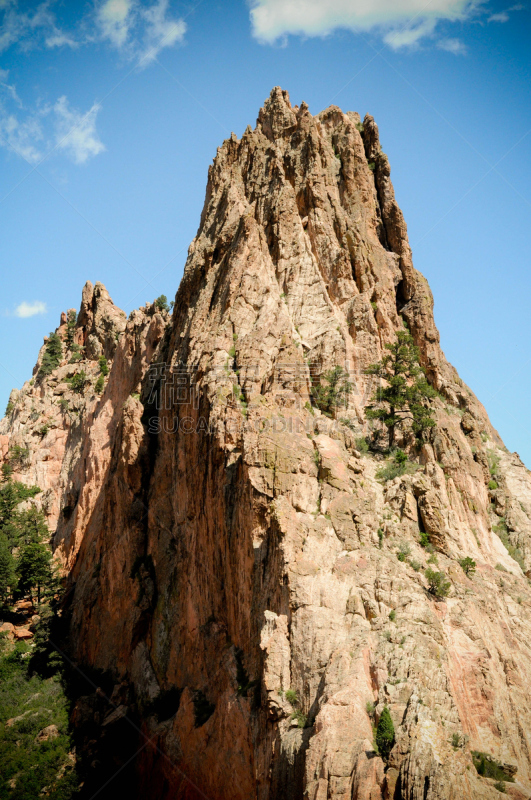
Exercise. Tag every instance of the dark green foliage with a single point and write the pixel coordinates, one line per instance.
(161, 303)
(18, 456)
(9, 408)
(52, 355)
(203, 709)
(71, 321)
(403, 399)
(488, 767)
(104, 367)
(424, 539)
(100, 383)
(77, 353)
(8, 578)
(34, 568)
(362, 444)
(331, 391)
(500, 786)
(385, 734)
(468, 565)
(78, 381)
(492, 485)
(11, 494)
(437, 583)
(396, 466)
(392, 615)
(301, 718)
(33, 765)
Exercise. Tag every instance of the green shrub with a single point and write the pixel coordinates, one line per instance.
(385, 734)
(98, 386)
(161, 303)
(392, 615)
(370, 708)
(437, 584)
(494, 462)
(371, 165)
(488, 767)
(492, 485)
(78, 381)
(71, 322)
(395, 467)
(331, 390)
(9, 408)
(104, 367)
(362, 444)
(416, 565)
(53, 354)
(424, 539)
(468, 565)
(291, 697)
(301, 718)
(500, 786)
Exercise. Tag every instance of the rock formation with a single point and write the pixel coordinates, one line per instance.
(231, 560)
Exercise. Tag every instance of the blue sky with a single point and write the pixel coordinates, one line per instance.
(112, 110)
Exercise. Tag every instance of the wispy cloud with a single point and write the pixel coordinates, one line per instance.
(139, 32)
(504, 16)
(25, 310)
(76, 132)
(455, 46)
(114, 18)
(30, 134)
(137, 29)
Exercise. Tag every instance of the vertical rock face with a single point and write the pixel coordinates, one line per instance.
(230, 556)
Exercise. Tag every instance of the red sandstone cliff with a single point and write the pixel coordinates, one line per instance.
(224, 543)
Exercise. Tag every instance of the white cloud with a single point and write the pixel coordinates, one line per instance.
(60, 39)
(115, 18)
(76, 132)
(139, 32)
(58, 127)
(25, 310)
(409, 36)
(160, 31)
(503, 16)
(272, 19)
(28, 28)
(455, 46)
(9, 88)
(24, 138)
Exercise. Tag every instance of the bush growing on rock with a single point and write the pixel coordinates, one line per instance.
(331, 391)
(161, 303)
(52, 355)
(438, 585)
(468, 565)
(385, 734)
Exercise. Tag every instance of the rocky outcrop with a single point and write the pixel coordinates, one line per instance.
(251, 592)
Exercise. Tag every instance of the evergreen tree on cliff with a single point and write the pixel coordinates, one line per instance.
(401, 400)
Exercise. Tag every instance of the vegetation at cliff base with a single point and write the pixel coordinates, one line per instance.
(400, 399)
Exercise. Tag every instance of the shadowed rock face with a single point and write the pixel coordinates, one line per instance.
(224, 543)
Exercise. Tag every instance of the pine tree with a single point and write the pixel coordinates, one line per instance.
(402, 400)
(52, 354)
(162, 303)
(331, 390)
(468, 565)
(71, 321)
(8, 579)
(385, 734)
(34, 568)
